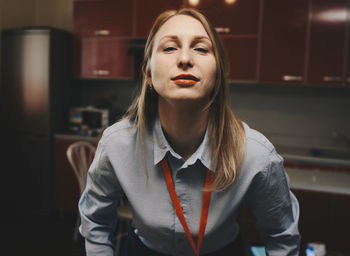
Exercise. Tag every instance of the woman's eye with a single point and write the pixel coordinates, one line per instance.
(202, 50)
(169, 49)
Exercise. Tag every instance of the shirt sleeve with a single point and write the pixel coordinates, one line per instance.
(98, 205)
(275, 208)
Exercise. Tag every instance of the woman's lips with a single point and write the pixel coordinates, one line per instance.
(185, 79)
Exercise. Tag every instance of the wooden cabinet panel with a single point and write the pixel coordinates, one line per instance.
(315, 214)
(238, 18)
(105, 57)
(327, 42)
(283, 41)
(241, 56)
(324, 217)
(148, 11)
(340, 223)
(103, 18)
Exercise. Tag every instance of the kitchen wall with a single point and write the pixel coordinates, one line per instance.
(18, 13)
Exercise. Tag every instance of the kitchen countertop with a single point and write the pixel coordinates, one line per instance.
(66, 136)
(323, 170)
(319, 180)
(320, 156)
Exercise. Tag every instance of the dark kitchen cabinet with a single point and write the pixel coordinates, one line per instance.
(105, 57)
(340, 223)
(240, 17)
(241, 55)
(327, 42)
(103, 18)
(283, 41)
(324, 218)
(315, 214)
(147, 12)
(27, 169)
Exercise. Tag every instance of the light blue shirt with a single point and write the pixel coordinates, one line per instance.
(121, 166)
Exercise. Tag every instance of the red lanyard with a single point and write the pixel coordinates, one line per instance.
(178, 209)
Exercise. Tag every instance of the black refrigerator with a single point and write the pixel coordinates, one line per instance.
(35, 94)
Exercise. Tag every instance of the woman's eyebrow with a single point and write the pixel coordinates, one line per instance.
(169, 37)
(202, 38)
(176, 38)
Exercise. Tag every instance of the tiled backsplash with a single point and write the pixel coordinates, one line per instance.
(295, 115)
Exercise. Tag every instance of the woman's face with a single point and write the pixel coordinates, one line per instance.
(183, 65)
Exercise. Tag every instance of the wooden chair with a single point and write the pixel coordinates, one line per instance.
(80, 155)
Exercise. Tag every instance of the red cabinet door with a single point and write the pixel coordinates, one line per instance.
(105, 57)
(241, 56)
(103, 18)
(327, 42)
(283, 41)
(148, 11)
(230, 17)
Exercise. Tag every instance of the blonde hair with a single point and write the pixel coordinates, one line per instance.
(226, 131)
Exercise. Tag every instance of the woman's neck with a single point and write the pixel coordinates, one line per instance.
(184, 126)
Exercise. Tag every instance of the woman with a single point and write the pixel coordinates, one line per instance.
(184, 161)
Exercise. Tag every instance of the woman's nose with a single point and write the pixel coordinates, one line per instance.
(185, 60)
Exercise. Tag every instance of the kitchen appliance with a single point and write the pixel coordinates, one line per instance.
(35, 95)
(88, 121)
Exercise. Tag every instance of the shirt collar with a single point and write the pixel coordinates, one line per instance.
(162, 147)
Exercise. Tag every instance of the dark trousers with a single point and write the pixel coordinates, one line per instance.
(134, 247)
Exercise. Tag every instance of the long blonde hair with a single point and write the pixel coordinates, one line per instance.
(226, 131)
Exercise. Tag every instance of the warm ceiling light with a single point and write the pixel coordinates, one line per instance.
(331, 15)
(230, 1)
(193, 2)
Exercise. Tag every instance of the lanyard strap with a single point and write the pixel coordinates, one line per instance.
(178, 209)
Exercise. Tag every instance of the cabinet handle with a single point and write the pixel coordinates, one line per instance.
(102, 32)
(332, 79)
(292, 78)
(223, 30)
(101, 72)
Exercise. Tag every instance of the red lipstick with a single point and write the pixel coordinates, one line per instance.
(185, 79)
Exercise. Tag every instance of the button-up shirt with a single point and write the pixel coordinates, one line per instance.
(124, 166)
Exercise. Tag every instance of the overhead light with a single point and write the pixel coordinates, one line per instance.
(230, 1)
(332, 15)
(193, 2)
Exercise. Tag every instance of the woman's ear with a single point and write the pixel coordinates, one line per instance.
(149, 77)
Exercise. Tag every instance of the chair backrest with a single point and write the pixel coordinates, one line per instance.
(80, 155)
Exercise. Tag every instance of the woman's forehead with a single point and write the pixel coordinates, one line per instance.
(181, 25)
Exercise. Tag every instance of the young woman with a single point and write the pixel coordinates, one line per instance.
(184, 161)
